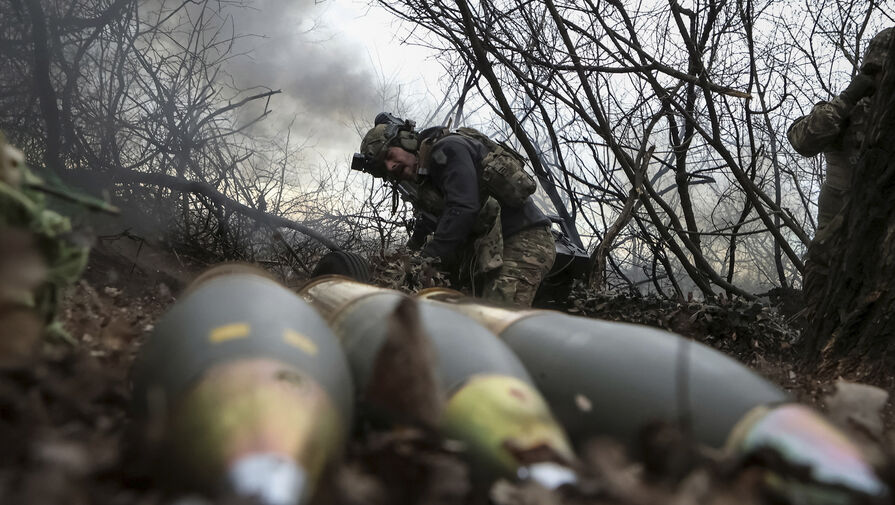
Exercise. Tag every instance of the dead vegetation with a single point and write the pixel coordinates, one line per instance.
(65, 426)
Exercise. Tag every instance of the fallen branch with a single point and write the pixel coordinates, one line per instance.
(208, 191)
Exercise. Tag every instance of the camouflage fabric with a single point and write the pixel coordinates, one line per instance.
(837, 130)
(837, 127)
(527, 257)
(877, 51)
(428, 198)
(375, 142)
(45, 239)
(378, 139)
(488, 246)
(505, 178)
(503, 173)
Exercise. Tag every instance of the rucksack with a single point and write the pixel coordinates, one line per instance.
(503, 169)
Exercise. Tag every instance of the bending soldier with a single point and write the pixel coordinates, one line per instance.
(488, 228)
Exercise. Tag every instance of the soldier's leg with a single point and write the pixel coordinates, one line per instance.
(527, 257)
(829, 203)
(817, 261)
(829, 222)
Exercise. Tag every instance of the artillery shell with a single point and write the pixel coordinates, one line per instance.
(612, 379)
(805, 439)
(490, 404)
(251, 386)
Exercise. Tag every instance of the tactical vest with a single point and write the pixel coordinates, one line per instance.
(502, 170)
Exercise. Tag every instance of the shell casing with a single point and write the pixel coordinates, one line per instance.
(604, 378)
(608, 378)
(496, 319)
(463, 347)
(490, 402)
(329, 294)
(241, 365)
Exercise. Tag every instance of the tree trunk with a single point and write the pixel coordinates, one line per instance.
(851, 322)
(43, 85)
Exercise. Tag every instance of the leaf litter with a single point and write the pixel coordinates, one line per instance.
(65, 430)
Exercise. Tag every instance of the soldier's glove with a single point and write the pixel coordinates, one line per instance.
(425, 271)
(423, 261)
(862, 85)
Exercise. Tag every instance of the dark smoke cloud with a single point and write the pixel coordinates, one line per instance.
(325, 74)
(314, 63)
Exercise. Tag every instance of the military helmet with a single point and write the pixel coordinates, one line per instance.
(877, 51)
(382, 136)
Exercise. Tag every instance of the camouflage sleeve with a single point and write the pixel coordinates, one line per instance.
(811, 134)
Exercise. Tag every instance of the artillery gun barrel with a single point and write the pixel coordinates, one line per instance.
(489, 402)
(250, 385)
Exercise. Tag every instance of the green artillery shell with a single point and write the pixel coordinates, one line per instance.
(608, 378)
(491, 405)
(251, 384)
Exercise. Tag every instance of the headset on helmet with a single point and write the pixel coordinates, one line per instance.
(389, 131)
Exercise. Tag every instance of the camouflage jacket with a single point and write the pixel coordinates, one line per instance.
(46, 236)
(837, 130)
(467, 216)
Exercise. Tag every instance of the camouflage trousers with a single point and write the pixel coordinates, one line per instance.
(527, 257)
(817, 261)
(829, 203)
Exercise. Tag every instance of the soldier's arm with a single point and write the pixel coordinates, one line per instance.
(811, 134)
(454, 173)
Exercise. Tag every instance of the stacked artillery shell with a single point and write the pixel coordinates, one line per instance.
(490, 403)
(606, 378)
(250, 385)
(613, 379)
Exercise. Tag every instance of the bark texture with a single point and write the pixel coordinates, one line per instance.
(851, 323)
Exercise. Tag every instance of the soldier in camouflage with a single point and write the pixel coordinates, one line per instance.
(836, 128)
(482, 233)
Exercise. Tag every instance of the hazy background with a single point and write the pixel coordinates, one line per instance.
(337, 63)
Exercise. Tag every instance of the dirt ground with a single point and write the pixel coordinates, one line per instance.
(67, 437)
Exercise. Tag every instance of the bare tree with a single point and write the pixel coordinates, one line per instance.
(131, 99)
(683, 108)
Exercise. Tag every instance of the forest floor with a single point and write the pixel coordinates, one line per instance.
(66, 435)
